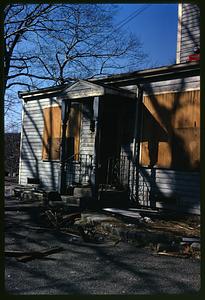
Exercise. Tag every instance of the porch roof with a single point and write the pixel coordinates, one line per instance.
(83, 89)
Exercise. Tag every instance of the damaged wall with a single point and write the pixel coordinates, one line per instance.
(169, 176)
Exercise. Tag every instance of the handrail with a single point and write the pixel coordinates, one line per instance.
(79, 169)
(76, 155)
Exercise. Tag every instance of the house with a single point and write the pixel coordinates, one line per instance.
(131, 139)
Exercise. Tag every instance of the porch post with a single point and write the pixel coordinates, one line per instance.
(138, 137)
(65, 108)
(96, 146)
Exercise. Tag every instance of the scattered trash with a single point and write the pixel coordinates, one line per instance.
(147, 220)
(196, 246)
(190, 239)
(91, 227)
(57, 219)
(161, 247)
(173, 254)
(117, 242)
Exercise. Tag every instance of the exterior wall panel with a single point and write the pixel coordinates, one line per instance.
(176, 189)
(31, 164)
(188, 30)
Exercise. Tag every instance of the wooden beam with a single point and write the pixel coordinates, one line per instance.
(96, 112)
(179, 29)
(65, 108)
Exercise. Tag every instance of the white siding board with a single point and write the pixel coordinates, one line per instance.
(175, 85)
(87, 138)
(184, 186)
(31, 152)
(189, 33)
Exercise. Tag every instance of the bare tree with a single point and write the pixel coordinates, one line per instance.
(49, 44)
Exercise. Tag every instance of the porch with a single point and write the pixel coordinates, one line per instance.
(101, 168)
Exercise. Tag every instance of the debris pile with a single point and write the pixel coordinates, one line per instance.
(165, 236)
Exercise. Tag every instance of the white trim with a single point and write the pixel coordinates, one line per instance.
(90, 89)
(168, 92)
(21, 142)
(179, 33)
(51, 105)
(38, 94)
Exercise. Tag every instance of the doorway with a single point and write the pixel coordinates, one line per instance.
(110, 139)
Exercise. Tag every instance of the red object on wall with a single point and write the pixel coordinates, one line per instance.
(194, 57)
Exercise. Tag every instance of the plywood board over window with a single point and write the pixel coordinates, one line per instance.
(73, 130)
(171, 130)
(52, 134)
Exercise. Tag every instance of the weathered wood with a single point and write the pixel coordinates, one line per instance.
(74, 126)
(170, 136)
(39, 254)
(16, 253)
(174, 254)
(52, 133)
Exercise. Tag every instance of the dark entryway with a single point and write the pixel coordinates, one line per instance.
(115, 126)
(109, 136)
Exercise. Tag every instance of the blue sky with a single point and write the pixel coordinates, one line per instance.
(157, 29)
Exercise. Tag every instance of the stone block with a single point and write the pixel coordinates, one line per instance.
(70, 200)
(82, 192)
(196, 246)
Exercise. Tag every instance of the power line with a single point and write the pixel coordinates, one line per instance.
(132, 16)
(123, 23)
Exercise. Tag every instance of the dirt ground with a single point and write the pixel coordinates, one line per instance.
(163, 226)
(85, 266)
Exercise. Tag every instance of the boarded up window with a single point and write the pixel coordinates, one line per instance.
(73, 130)
(171, 130)
(53, 132)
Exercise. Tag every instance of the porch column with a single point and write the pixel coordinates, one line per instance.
(96, 147)
(137, 138)
(65, 109)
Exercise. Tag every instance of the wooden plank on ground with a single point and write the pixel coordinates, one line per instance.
(24, 256)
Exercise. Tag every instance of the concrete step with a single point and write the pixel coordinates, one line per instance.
(82, 192)
(71, 200)
(96, 218)
(115, 198)
(124, 213)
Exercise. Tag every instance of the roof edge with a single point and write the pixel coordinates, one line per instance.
(183, 67)
(117, 78)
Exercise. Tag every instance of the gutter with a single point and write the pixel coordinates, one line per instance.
(151, 75)
(138, 77)
(41, 92)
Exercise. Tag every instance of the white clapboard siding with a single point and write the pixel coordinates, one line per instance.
(184, 187)
(32, 136)
(87, 137)
(31, 164)
(190, 30)
(174, 85)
